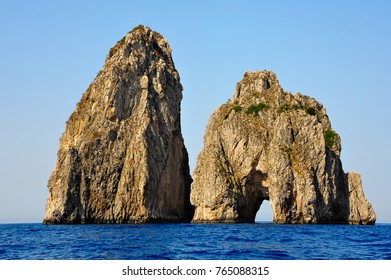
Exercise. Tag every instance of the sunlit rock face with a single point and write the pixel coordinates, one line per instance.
(265, 143)
(122, 157)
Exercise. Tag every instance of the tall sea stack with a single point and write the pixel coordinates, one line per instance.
(122, 157)
(268, 144)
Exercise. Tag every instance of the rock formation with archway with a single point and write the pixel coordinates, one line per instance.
(265, 143)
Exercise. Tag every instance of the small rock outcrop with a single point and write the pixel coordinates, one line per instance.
(265, 143)
(122, 157)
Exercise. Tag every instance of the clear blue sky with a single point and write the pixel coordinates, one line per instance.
(335, 51)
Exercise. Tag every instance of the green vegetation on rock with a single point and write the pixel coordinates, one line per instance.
(285, 107)
(329, 137)
(310, 111)
(237, 108)
(254, 109)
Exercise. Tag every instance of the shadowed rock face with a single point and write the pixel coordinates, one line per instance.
(122, 158)
(265, 143)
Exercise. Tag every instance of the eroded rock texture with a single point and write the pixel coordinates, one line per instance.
(265, 143)
(122, 158)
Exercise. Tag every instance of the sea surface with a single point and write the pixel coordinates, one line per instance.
(195, 241)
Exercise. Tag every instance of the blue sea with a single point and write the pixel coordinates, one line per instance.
(195, 241)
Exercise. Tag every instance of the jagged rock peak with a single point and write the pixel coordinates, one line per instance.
(254, 83)
(122, 158)
(138, 41)
(268, 144)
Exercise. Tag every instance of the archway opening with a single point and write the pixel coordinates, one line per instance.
(265, 213)
(257, 206)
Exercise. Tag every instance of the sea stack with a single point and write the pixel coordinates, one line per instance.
(265, 143)
(122, 157)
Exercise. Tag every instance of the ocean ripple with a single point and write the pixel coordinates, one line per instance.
(195, 241)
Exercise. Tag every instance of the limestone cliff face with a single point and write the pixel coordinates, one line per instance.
(122, 158)
(265, 143)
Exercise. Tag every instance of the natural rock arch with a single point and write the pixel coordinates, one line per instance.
(265, 213)
(265, 143)
(122, 158)
(255, 194)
